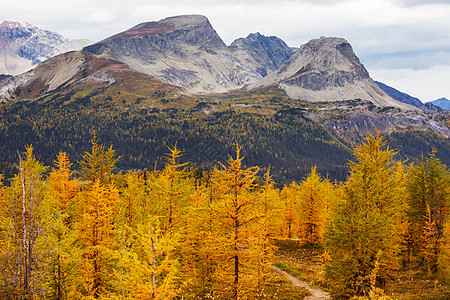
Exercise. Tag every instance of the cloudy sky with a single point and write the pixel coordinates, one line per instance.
(403, 43)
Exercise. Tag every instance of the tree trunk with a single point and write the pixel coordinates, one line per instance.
(153, 261)
(236, 246)
(25, 252)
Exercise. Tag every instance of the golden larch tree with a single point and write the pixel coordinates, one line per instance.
(238, 235)
(96, 230)
(60, 237)
(21, 258)
(312, 208)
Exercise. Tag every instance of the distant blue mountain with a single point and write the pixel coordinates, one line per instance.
(399, 96)
(443, 103)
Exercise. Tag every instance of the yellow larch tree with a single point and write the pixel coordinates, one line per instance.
(268, 208)
(60, 236)
(145, 262)
(96, 231)
(314, 199)
(21, 258)
(288, 196)
(238, 235)
(271, 205)
(312, 208)
(169, 190)
(98, 164)
(151, 216)
(148, 267)
(202, 241)
(95, 224)
(197, 246)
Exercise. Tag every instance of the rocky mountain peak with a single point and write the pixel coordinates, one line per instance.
(164, 26)
(14, 24)
(443, 103)
(193, 30)
(330, 52)
(264, 53)
(23, 46)
(327, 69)
(182, 50)
(187, 20)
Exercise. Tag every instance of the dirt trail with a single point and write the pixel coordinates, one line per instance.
(316, 294)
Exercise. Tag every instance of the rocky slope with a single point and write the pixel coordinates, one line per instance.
(182, 50)
(399, 96)
(23, 46)
(71, 73)
(353, 120)
(327, 69)
(263, 53)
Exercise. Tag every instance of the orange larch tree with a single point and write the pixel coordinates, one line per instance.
(60, 236)
(312, 206)
(96, 231)
(238, 235)
(21, 258)
(289, 196)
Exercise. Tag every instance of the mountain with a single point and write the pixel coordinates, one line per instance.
(57, 105)
(23, 46)
(3, 77)
(182, 50)
(327, 69)
(78, 74)
(264, 53)
(399, 96)
(443, 103)
(430, 108)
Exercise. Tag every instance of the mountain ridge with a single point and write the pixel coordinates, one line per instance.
(327, 69)
(24, 46)
(56, 105)
(264, 53)
(399, 96)
(181, 50)
(187, 51)
(443, 103)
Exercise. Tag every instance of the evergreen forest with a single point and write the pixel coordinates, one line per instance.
(283, 139)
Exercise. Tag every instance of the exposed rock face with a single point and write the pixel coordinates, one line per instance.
(327, 69)
(183, 50)
(399, 96)
(263, 53)
(76, 67)
(430, 108)
(4, 77)
(23, 46)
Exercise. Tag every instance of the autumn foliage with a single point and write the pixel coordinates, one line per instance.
(181, 233)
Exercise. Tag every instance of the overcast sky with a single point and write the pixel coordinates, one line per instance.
(403, 43)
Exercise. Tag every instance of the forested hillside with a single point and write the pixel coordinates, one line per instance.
(141, 137)
(283, 138)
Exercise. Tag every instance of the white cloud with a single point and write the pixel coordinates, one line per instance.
(99, 16)
(427, 84)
